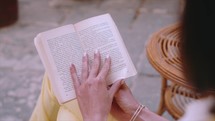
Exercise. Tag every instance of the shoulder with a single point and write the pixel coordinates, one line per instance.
(199, 110)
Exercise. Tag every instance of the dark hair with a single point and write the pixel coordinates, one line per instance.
(197, 48)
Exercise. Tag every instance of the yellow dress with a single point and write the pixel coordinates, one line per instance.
(48, 108)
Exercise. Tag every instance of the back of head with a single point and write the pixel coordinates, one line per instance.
(198, 50)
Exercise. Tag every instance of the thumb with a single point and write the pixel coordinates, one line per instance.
(115, 87)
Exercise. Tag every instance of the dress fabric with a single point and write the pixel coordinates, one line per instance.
(48, 108)
(199, 110)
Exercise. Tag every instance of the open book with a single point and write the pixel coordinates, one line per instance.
(59, 48)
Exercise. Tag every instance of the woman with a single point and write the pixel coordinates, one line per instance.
(96, 101)
(197, 52)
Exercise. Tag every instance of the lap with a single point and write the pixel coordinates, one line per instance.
(48, 109)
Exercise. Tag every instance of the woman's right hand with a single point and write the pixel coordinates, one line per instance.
(124, 104)
(93, 95)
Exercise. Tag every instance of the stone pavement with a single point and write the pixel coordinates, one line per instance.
(21, 70)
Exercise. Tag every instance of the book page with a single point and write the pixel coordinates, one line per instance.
(46, 63)
(101, 33)
(63, 48)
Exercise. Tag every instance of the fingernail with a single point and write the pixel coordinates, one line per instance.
(72, 66)
(72, 69)
(96, 51)
(84, 58)
(84, 54)
(107, 56)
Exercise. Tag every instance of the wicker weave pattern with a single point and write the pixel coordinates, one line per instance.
(163, 54)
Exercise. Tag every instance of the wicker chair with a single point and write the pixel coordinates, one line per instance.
(163, 54)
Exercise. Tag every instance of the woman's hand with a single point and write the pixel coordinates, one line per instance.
(124, 104)
(94, 98)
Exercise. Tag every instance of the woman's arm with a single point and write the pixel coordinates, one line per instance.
(125, 105)
(94, 98)
(147, 115)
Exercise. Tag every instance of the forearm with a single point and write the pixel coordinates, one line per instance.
(147, 115)
(97, 117)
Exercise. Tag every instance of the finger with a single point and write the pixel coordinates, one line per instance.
(125, 87)
(96, 64)
(105, 69)
(115, 108)
(74, 76)
(115, 87)
(84, 71)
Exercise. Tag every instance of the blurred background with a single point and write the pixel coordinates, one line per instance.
(21, 70)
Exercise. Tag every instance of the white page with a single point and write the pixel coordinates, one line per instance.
(100, 33)
(63, 48)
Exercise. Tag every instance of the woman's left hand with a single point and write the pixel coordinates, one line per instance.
(94, 98)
